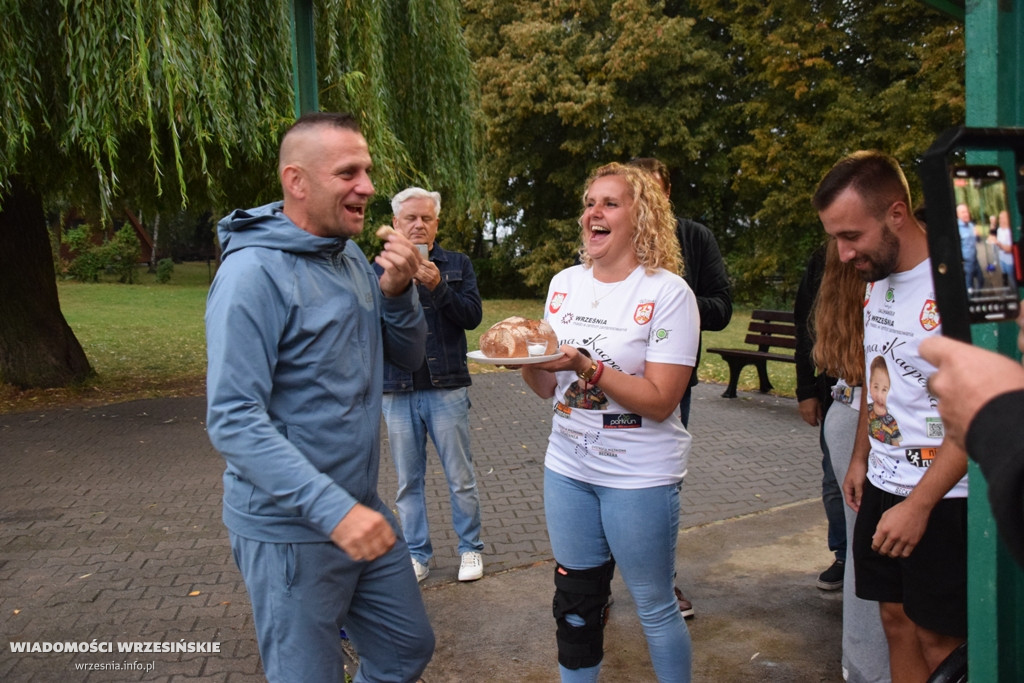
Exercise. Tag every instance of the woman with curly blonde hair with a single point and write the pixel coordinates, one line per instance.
(837, 323)
(628, 327)
(654, 241)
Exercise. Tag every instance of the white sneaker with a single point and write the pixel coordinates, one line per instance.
(472, 567)
(422, 570)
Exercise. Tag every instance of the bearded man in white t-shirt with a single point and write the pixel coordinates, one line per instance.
(910, 494)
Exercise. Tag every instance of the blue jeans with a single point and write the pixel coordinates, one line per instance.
(303, 593)
(444, 415)
(973, 275)
(832, 499)
(588, 524)
(684, 407)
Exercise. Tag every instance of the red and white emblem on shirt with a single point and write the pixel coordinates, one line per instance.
(643, 313)
(557, 299)
(929, 315)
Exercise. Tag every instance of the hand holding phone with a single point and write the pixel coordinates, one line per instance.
(971, 225)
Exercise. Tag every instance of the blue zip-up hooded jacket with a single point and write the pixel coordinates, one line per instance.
(297, 330)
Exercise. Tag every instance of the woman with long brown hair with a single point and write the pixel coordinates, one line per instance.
(837, 323)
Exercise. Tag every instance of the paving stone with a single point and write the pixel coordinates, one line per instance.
(128, 496)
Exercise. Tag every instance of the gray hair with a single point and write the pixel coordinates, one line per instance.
(414, 193)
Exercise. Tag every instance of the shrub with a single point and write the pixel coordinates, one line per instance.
(86, 263)
(118, 256)
(122, 254)
(164, 269)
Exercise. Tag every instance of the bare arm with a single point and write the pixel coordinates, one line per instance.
(901, 526)
(856, 475)
(541, 381)
(655, 395)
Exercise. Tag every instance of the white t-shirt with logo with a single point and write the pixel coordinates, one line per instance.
(642, 318)
(904, 435)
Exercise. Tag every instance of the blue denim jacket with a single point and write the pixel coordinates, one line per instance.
(452, 308)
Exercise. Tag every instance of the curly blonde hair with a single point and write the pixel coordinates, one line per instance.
(837, 320)
(654, 239)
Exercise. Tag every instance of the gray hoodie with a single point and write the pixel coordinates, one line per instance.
(296, 333)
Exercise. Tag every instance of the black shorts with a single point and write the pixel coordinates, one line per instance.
(932, 582)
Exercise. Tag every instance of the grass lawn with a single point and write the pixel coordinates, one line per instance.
(147, 340)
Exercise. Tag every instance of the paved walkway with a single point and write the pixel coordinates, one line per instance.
(110, 532)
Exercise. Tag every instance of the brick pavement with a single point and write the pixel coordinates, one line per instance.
(110, 524)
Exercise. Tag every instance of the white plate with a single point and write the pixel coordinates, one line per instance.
(479, 357)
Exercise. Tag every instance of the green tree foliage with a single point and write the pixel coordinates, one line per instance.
(813, 82)
(749, 101)
(158, 104)
(568, 85)
(161, 103)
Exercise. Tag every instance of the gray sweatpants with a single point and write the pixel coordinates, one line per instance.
(865, 650)
(303, 593)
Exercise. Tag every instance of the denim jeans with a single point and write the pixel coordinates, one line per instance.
(832, 499)
(588, 524)
(444, 415)
(684, 407)
(973, 276)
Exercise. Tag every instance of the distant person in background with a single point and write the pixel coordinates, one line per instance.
(837, 327)
(1004, 244)
(704, 271)
(814, 396)
(969, 247)
(434, 398)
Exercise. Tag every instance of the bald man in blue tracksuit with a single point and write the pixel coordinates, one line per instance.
(298, 326)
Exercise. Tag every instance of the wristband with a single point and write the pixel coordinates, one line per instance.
(588, 374)
(597, 375)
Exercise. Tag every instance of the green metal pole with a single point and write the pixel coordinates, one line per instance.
(995, 584)
(303, 58)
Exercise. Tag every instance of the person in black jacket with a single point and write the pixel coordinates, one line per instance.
(704, 271)
(433, 400)
(981, 402)
(814, 396)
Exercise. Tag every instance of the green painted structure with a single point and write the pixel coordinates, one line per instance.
(994, 80)
(994, 85)
(304, 58)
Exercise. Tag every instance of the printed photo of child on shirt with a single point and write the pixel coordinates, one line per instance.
(881, 425)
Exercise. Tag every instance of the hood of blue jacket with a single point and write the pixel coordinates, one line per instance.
(268, 226)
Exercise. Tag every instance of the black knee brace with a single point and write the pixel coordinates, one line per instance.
(583, 592)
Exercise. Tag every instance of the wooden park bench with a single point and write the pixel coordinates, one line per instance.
(768, 330)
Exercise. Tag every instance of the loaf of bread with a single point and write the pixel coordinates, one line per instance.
(510, 338)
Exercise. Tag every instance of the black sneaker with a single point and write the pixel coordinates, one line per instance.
(832, 578)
